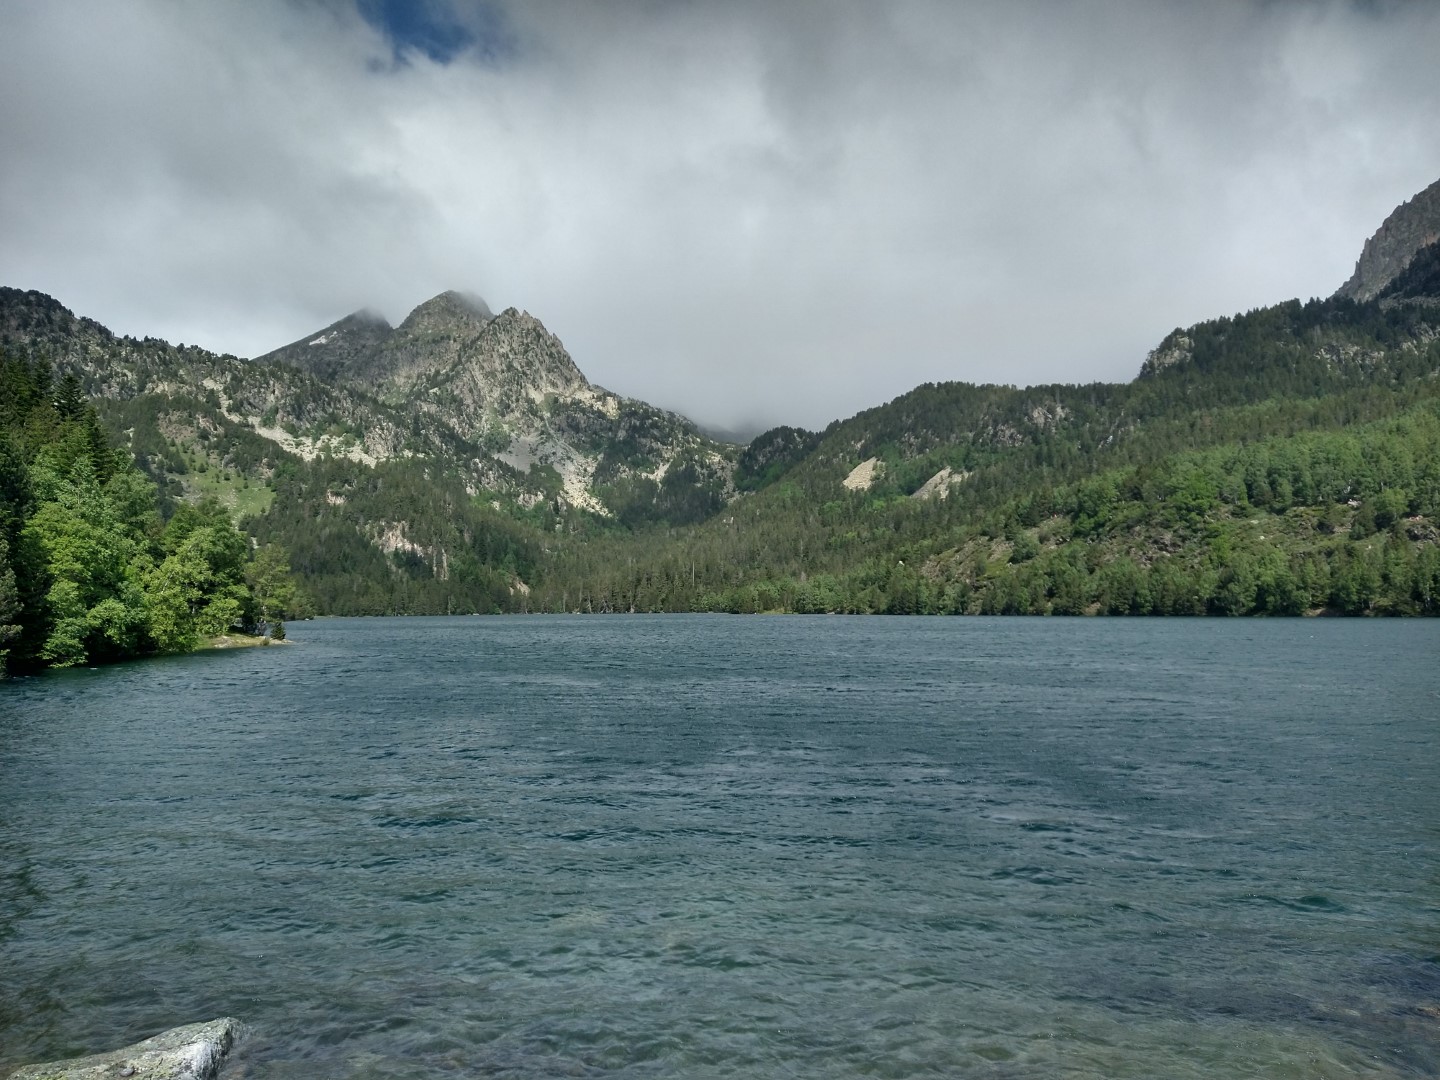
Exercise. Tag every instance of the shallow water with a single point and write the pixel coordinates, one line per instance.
(750, 847)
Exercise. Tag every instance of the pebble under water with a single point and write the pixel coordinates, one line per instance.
(708, 846)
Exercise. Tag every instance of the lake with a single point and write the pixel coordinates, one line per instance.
(710, 846)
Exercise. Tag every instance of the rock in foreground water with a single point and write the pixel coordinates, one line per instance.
(192, 1052)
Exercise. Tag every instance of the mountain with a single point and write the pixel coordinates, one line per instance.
(1284, 460)
(508, 385)
(364, 349)
(413, 468)
(1413, 225)
(185, 396)
(494, 398)
(1281, 460)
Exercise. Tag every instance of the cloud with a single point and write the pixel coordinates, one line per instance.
(751, 212)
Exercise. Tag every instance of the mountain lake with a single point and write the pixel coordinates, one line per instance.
(715, 846)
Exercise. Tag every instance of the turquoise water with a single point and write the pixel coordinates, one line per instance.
(742, 847)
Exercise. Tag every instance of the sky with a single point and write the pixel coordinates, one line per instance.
(753, 212)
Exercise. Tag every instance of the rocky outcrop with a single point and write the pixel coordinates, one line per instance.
(193, 1052)
(1412, 226)
(1177, 348)
(864, 475)
(513, 362)
(939, 485)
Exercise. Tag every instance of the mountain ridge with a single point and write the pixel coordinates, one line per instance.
(462, 461)
(496, 398)
(1411, 226)
(506, 383)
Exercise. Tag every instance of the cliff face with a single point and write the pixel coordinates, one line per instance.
(1413, 225)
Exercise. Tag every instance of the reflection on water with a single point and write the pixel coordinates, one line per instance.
(708, 846)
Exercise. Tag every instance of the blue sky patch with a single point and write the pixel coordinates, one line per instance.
(435, 29)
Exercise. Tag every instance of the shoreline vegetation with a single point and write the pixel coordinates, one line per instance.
(1093, 611)
(95, 565)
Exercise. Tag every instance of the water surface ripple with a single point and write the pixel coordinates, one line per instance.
(739, 847)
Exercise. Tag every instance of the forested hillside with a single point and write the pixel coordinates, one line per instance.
(1280, 461)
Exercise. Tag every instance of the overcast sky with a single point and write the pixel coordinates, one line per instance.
(754, 212)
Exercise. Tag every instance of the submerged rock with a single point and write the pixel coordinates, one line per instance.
(192, 1052)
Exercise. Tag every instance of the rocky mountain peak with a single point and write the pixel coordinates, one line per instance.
(451, 312)
(508, 388)
(1413, 225)
(516, 343)
(364, 327)
(333, 353)
(367, 318)
(363, 348)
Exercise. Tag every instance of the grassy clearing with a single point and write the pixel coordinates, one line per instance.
(241, 496)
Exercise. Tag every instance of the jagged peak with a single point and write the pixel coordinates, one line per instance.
(518, 315)
(451, 306)
(367, 317)
(366, 320)
(1175, 348)
(328, 352)
(515, 332)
